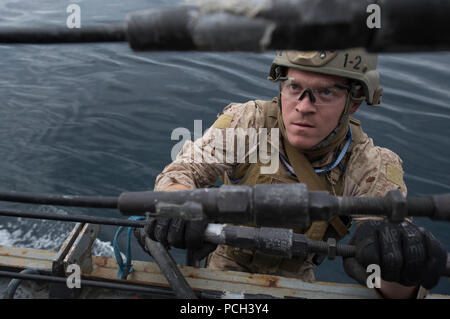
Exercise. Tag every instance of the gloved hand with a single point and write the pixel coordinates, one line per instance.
(173, 232)
(406, 254)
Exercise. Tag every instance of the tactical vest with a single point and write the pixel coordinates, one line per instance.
(250, 174)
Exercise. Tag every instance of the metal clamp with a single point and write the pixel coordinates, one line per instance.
(187, 211)
(399, 206)
(76, 249)
(332, 247)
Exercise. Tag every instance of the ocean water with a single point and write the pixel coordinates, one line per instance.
(96, 119)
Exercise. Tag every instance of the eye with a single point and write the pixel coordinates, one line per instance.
(325, 91)
(292, 87)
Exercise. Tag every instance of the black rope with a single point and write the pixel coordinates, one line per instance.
(93, 283)
(73, 218)
(15, 283)
(60, 200)
(108, 33)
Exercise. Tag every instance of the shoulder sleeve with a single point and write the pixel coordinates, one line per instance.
(372, 172)
(201, 162)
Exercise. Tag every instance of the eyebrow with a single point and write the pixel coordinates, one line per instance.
(318, 83)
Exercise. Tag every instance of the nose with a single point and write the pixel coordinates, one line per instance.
(305, 105)
(312, 98)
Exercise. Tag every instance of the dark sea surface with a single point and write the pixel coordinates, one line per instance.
(96, 119)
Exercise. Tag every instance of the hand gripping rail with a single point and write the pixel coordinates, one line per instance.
(280, 242)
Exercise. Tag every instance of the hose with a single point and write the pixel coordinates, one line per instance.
(14, 284)
(61, 200)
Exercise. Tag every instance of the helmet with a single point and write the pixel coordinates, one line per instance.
(355, 64)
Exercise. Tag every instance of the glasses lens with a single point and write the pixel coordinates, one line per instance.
(325, 95)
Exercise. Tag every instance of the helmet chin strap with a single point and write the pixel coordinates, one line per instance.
(344, 120)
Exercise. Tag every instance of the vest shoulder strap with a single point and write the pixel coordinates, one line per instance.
(270, 111)
(358, 135)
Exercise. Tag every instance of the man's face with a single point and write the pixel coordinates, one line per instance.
(308, 124)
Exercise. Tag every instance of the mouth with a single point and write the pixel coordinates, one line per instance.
(303, 124)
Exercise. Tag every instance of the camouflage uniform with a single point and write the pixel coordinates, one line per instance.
(369, 171)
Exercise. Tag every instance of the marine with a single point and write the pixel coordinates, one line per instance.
(321, 145)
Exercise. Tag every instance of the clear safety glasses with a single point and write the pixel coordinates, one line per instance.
(322, 95)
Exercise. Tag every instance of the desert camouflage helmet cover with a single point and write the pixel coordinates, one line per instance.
(355, 64)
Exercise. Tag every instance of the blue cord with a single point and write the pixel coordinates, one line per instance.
(340, 156)
(333, 165)
(124, 269)
(318, 171)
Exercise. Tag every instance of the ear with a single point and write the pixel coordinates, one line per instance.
(353, 107)
(359, 98)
